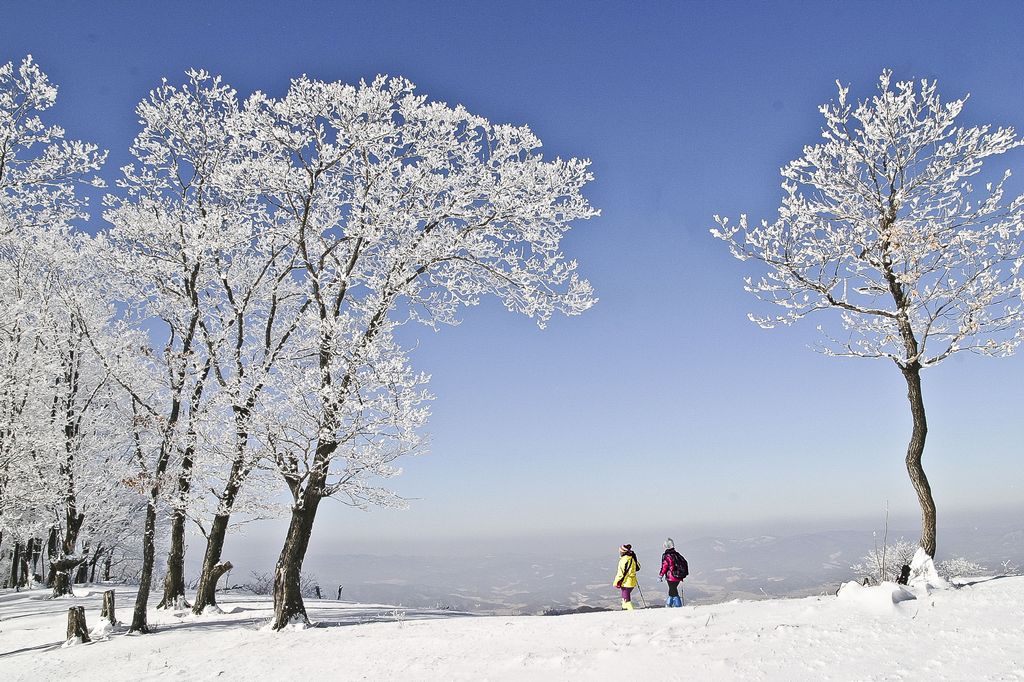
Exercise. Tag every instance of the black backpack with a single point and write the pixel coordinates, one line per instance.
(679, 562)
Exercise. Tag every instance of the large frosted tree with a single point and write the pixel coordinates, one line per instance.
(883, 231)
(399, 209)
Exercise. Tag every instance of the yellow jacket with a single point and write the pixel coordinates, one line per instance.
(626, 575)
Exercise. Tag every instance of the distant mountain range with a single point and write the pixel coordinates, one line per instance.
(721, 569)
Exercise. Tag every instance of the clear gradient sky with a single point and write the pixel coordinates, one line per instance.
(662, 407)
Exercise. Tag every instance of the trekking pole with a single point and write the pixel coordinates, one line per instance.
(641, 593)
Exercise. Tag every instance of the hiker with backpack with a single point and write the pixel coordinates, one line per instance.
(673, 570)
(625, 577)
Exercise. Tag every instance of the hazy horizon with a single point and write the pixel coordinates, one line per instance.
(531, 575)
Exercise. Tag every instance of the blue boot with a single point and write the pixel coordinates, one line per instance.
(677, 601)
(670, 602)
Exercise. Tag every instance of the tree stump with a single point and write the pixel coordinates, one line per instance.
(76, 624)
(108, 607)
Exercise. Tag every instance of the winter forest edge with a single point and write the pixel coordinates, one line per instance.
(236, 331)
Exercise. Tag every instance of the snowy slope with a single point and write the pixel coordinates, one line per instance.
(972, 633)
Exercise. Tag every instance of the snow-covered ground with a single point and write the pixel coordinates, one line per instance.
(975, 632)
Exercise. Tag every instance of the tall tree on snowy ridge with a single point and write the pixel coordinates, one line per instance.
(882, 225)
(400, 210)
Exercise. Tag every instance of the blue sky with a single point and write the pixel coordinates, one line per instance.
(663, 408)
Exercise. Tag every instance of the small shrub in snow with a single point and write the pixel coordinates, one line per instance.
(259, 583)
(959, 568)
(263, 583)
(884, 563)
(1009, 567)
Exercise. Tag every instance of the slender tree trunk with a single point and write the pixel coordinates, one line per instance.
(915, 450)
(82, 575)
(36, 555)
(106, 565)
(288, 605)
(174, 581)
(209, 588)
(26, 580)
(51, 554)
(92, 563)
(15, 564)
(206, 591)
(139, 620)
(26, 562)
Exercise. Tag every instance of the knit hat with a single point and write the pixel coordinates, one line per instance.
(669, 544)
(625, 549)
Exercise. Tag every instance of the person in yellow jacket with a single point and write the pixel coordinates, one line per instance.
(625, 577)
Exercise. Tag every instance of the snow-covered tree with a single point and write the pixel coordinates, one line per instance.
(399, 209)
(47, 388)
(237, 288)
(882, 226)
(168, 224)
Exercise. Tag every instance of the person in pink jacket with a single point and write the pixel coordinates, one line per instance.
(673, 570)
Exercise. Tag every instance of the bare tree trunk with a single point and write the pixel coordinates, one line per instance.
(288, 605)
(66, 560)
(62, 568)
(36, 556)
(16, 564)
(139, 620)
(92, 563)
(106, 565)
(26, 558)
(61, 583)
(915, 450)
(82, 575)
(206, 591)
(51, 554)
(174, 581)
